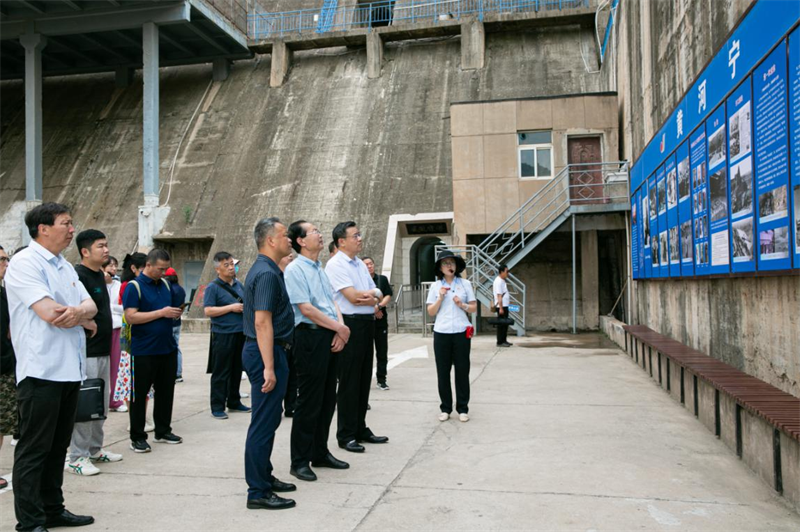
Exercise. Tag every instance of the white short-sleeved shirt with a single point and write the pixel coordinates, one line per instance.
(342, 271)
(44, 351)
(451, 319)
(500, 288)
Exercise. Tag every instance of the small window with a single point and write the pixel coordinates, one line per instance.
(535, 154)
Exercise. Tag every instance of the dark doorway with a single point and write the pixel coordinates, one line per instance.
(376, 13)
(611, 272)
(423, 259)
(586, 180)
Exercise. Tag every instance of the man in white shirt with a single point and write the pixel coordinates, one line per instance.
(356, 295)
(50, 309)
(501, 302)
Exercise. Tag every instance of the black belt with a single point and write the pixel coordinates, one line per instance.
(361, 317)
(281, 343)
(310, 326)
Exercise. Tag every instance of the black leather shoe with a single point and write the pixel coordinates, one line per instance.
(352, 446)
(39, 528)
(67, 518)
(303, 473)
(330, 461)
(374, 439)
(289, 413)
(270, 502)
(282, 487)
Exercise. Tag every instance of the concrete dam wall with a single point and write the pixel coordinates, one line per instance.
(329, 145)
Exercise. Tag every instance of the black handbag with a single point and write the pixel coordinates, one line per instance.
(500, 321)
(91, 401)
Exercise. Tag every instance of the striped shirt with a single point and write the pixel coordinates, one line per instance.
(265, 289)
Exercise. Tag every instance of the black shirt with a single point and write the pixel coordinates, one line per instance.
(95, 282)
(8, 362)
(383, 284)
(265, 289)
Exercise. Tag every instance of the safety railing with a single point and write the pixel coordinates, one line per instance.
(264, 25)
(575, 185)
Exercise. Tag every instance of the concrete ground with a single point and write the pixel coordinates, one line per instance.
(566, 433)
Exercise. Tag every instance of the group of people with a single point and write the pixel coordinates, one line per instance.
(322, 324)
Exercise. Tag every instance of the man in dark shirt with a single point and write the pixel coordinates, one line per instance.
(148, 308)
(268, 327)
(223, 302)
(8, 363)
(381, 324)
(178, 300)
(87, 437)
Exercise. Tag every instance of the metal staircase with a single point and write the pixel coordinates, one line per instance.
(577, 189)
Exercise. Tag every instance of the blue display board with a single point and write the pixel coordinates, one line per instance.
(685, 210)
(718, 200)
(636, 225)
(770, 92)
(663, 225)
(697, 145)
(740, 175)
(651, 252)
(673, 229)
(794, 136)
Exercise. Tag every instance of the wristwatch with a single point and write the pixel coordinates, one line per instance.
(381, 308)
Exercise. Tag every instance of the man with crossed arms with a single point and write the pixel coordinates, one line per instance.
(320, 334)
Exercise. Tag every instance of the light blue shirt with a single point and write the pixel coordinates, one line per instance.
(451, 318)
(306, 282)
(344, 272)
(44, 351)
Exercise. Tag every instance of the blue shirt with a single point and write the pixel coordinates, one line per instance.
(44, 351)
(265, 289)
(178, 299)
(154, 337)
(344, 272)
(216, 296)
(306, 282)
(451, 319)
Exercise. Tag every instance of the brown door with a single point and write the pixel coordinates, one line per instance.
(586, 178)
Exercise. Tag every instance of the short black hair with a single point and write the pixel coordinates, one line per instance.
(368, 258)
(340, 231)
(502, 268)
(46, 214)
(134, 259)
(86, 238)
(220, 256)
(332, 246)
(19, 249)
(157, 254)
(109, 260)
(296, 231)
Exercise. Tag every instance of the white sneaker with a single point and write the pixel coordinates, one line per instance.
(244, 375)
(244, 395)
(82, 467)
(463, 418)
(105, 456)
(122, 408)
(149, 426)
(444, 416)
(14, 442)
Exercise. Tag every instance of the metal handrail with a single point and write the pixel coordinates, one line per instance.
(386, 12)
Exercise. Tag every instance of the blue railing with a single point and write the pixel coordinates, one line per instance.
(390, 12)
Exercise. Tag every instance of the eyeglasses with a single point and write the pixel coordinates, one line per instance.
(4, 259)
(313, 232)
(356, 236)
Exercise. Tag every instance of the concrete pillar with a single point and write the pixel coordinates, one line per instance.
(123, 77)
(221, 69)
(150, 104)
(33, 44)
(281, 61)
(473, 45)
(374, 55)
(590, 283)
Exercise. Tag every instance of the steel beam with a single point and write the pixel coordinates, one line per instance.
(33, 44)
(574, 293)
(150, 118)
(206, 37)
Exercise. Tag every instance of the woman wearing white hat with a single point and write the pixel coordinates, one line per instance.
(450, 301)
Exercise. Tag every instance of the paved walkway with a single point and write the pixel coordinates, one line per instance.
(566, 433)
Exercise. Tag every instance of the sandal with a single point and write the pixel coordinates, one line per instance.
(3, 483)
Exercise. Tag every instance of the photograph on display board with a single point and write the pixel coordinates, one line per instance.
(740, 132)
(774, 243)
(701, 251)
(742, 188)
(684, 187)
(797, 218)
(663, 259)
(662, 197)
(654, 246)
(773, 204)
(686, 241)
(716, 147)
(699, 201)
(718, 192)
(674, 246)
(651, 195)
(701, 227)
(645, 222)
(672, 188)
(742, 232)
(699, 174)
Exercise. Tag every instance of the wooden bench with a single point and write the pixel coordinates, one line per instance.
(780, 410)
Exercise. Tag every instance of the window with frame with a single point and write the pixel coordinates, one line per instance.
(535, 154)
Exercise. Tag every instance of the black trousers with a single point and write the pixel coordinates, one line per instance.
(452, 350)
(381, 348)
(226, 373)
(502, 330)
(47, 417)
(355, 377)
(316, 397)
(157, 371)
(290, 397)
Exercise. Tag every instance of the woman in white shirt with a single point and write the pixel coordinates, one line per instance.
(450, 301)
(113, 285)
